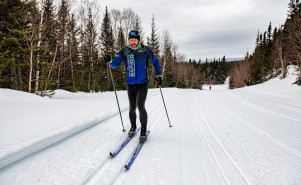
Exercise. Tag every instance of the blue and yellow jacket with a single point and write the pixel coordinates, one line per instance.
(136, 63)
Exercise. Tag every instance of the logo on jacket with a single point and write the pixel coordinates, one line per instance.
(131, 65)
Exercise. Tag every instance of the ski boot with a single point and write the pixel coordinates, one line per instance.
(132, 130)
(143, 135)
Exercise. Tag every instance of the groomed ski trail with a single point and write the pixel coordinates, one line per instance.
(225, 159)
(215, 139)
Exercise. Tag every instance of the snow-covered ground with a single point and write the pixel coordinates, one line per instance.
(243, 136)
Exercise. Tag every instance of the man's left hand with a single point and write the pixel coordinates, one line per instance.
(159, 80)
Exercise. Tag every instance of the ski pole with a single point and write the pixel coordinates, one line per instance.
(165, 106)
(111, 74)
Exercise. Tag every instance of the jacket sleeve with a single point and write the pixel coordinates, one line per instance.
(117, 59)
(155, 61)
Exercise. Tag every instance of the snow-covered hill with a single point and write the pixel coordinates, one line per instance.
(243, 136)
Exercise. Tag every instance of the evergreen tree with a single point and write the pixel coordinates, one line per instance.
(73, 53)
(49, 26)
(261, 64)
(15, 27)
(106, 39)
(121, 39)
(153, 44)
(119, 73)
(90, 53)
(153, 40)
(167, 62)
(269, 33)
(107, 47)
(268, 63)
(62, 20)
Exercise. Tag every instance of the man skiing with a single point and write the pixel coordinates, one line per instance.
(136, 56)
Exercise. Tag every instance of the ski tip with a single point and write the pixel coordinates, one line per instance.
(127, 167)
(112, 155)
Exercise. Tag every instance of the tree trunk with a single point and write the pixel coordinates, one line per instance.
(53, 61)
(71, 63)
(39, 45)
(282, 60)
(30, 66)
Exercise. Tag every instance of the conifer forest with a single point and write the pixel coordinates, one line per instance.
(46, 46)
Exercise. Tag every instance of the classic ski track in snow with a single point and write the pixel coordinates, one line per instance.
(182, 159)
(275, 94)
(202, 137)
(269, 102)
(239, 170)
(250, 125)
(255, 107)
(118, 175)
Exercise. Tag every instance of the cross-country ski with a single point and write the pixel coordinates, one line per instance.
(123, 144)
(135, 153)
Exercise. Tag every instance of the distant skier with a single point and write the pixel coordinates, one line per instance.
(136, 56)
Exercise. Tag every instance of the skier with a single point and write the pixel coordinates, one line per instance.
(136, 56)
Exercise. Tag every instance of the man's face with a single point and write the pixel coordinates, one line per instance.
(133, 42)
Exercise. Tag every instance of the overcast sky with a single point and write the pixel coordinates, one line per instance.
(208, 28)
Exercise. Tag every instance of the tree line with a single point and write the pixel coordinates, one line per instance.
(46, 47)
(275, 49)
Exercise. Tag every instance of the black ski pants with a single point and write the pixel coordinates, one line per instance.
(137, 96)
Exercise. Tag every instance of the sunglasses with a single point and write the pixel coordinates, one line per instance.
(132, 33)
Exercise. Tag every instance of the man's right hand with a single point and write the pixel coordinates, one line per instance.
(107, 58)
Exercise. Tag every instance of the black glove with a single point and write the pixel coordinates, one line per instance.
(159, 80)
(107, 58)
